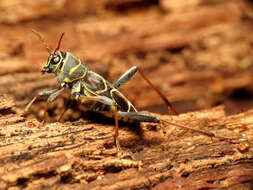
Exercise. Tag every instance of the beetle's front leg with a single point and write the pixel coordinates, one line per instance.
(50, 99)
(75, 92)
(44, 92)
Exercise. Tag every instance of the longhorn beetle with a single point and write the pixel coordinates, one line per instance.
(96, 93)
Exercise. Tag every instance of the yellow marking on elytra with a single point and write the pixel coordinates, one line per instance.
(87, 95)
(129, 105)
(98, 91)
(87, 101)
(89, 90)
(111, 93)
(72, 70)
(67, 80)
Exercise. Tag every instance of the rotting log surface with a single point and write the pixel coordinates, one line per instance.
(194, 52)
(200, 55)
(82, 155)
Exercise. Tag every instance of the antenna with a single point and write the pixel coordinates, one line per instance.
(42, 40)
(59, 43)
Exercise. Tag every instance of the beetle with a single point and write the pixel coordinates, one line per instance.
(96, 93)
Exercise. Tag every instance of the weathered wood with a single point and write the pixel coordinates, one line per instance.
(192, 51)
(81, 155)
(202, 70)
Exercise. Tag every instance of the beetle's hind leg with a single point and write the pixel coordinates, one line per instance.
(130, 73)
(166, 101)
(140, 117)
(125, 77)
(136, 116)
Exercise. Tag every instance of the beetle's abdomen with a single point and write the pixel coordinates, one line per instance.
(123, 103)
(95, 85)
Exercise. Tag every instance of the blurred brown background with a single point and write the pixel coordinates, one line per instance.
(198, 52)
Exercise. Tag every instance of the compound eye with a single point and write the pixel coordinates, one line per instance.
(57, 59)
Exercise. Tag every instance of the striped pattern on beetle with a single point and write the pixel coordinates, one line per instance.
(96, 93)
(71, 72)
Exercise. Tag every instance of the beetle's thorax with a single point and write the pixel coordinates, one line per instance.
(69, 69)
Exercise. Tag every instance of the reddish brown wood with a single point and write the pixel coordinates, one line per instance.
(82, 155)
(196, 53)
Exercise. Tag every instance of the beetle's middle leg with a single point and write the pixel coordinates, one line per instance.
(110, 102)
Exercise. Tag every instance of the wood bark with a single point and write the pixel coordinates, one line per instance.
(210, 60)
(198, 53)
(82, 155)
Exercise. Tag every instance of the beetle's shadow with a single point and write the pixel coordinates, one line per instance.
(135, 127)
(98, 118)
(95, 117)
